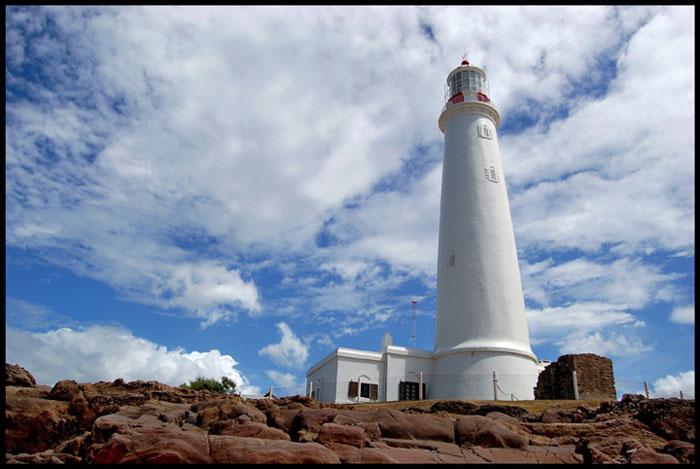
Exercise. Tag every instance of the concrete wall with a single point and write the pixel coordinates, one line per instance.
(324, 380)
(354, 369)
(405, 364)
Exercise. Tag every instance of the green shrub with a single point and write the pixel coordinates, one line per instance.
(226, 385)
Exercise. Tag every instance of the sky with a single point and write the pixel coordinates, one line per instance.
(238, 191)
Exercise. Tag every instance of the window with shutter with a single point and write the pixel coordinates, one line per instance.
(364, 390)
(373, 391)
(352, 389)
(408, 391)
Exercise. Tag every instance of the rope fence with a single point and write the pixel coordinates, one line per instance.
(498, 384)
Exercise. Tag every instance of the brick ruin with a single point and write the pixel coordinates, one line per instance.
(594, 375)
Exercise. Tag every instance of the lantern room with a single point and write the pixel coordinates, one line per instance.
(466, 83)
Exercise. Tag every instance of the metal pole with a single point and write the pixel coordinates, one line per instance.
(420, 386)
(495, 387)
(646, 389)
(413, 320)
(573, 374)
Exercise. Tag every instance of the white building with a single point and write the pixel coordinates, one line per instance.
(482, 345)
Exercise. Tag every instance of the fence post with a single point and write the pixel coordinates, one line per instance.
(573, 374)
(495, 387)
(420, 386)
(646, 389)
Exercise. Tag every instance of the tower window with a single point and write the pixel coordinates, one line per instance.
(491, 173)
(484, 131)
(451, 261)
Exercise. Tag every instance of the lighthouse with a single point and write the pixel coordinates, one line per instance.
(482, 345)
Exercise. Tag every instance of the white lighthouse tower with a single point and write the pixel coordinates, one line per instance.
(482, 344)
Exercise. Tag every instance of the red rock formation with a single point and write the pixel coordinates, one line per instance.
(149, 422)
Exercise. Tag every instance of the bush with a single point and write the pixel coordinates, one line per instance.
(224, 386)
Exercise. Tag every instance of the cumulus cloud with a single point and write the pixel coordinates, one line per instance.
(229, 138)
(610, 345)
(628, 283)
(285, 384)
(105, 353)
(670, 385)
(290, 351)
(683, 315)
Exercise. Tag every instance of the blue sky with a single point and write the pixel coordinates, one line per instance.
(238, 191)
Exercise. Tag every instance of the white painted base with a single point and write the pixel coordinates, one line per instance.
(468, 374)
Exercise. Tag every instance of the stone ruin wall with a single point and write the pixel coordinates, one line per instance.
(593, 373)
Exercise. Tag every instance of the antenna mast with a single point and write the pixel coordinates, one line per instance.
(413, 319)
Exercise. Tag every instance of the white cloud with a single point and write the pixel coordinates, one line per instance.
(229, 136)
(683, 315)
(105, 353)
(610, 345)
(557, 321)
(290, 351)
(670, 385)
(285, 384)
(627, 283)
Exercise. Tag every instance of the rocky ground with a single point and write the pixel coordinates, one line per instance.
(149, 422)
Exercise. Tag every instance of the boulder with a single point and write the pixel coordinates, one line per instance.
(483, 431)
(672, 419)
(342, 434)
(65, 390)
(307, 423)
(236, 450)
(15, 375)
(151, 445)
(247, 430)
(683, 451)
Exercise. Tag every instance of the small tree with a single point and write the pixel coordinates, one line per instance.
(225, 386)
(228, 384)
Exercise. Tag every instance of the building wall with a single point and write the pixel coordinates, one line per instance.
(404, 367)
(324, 380)
(354, 369)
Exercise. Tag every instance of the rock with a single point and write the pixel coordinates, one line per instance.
(168, 444)
(646, 455)
(536, 455)
(212, 411)
(431, 427)
(34, 423)
(683, 451)
(65, 390)
(307, 423)
(392, 423)
(342, 434)
(15, 375)
(561, 416)
(247, 430)
(235, 450)
(453, 407)
(513, 411)
(672, 419)
(483, 431)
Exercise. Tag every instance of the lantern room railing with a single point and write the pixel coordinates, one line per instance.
(465, 97)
